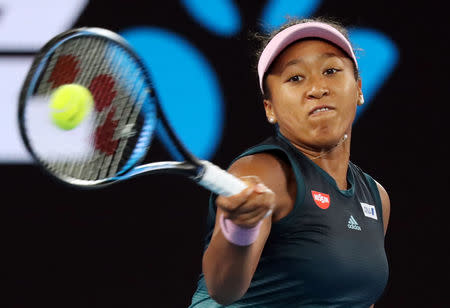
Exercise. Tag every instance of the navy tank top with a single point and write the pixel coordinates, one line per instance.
(327, 252)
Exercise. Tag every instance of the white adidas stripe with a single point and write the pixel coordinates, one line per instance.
(353, 224)
(352, 220)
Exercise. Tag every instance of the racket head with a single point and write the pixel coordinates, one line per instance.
(116, 135)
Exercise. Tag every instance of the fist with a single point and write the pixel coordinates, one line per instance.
(247, 208)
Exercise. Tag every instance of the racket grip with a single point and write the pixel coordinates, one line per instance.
(219, 181)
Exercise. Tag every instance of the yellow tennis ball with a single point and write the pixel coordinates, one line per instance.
(69, 105)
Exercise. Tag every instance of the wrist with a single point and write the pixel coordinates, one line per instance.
(238, 235)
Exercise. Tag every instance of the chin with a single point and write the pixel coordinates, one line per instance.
(327, 141)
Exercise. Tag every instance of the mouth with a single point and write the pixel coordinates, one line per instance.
(320, 109)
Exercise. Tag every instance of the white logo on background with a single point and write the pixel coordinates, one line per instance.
(369, 210)
(353, 224)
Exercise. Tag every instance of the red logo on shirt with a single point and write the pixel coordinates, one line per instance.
(322, 200)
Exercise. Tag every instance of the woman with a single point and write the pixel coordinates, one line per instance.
(309, 229)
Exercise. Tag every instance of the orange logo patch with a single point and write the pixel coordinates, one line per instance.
(322, 200)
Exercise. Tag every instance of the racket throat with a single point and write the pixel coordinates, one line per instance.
(167, 167)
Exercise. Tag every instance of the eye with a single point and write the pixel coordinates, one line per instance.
(331, 71)
(295, 78)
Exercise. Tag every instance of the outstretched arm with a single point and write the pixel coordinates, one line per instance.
(229, 268)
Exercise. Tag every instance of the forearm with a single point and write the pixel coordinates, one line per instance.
(229, 268)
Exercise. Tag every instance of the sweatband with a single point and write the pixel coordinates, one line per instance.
(237, 235)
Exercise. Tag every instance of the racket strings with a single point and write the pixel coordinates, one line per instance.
(119, 92)
(62, 67)
(84, 54)
(112, 136)
(88, 52)
(127, 127)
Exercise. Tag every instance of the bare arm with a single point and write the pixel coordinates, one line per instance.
(229, 268)
(386, 204)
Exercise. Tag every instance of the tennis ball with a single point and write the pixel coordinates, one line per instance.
(69, 105)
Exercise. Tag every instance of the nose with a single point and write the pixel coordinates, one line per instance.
(317, 91)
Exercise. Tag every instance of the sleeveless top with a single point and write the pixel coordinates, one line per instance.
(327, 252)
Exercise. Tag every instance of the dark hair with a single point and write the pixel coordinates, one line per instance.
(263, 39)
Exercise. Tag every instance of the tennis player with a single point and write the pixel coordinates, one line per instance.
(309, 229)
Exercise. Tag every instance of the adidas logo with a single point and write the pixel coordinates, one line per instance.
(352, 224)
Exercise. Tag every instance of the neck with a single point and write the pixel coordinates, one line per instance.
(332, 160)
(324, 153)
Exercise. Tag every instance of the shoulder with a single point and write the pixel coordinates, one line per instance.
(267, 156)
(275, 173)
(270, 168)
(386, 203)
(260, 162)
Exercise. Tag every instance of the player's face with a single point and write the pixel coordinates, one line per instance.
(314, 93)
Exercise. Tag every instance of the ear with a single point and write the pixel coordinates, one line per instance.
(360, 99)
(270, 114)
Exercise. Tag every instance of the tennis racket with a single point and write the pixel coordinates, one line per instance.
(111, 143)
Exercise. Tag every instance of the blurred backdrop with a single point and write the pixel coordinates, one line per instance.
(139, 243)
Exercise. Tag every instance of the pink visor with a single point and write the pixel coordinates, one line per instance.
(294, 33)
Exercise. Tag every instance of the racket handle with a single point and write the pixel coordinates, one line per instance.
(219, 181)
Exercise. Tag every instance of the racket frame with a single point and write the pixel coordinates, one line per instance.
(192, 167)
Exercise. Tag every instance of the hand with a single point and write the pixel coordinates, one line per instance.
(250, 206)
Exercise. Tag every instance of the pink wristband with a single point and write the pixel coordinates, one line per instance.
(238, 235)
